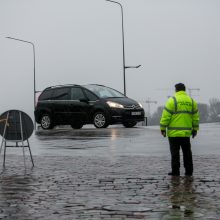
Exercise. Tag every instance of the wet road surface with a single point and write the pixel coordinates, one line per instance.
(113, 173)
(119, 141)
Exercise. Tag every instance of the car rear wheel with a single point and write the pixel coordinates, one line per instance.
(46, 122)
(129, 124)
(100, 120)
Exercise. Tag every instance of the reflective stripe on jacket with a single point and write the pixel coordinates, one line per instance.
(180, 116)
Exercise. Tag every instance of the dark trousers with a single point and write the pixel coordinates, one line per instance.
(175, 144)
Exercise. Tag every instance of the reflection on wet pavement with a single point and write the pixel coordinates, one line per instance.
(118, 141)
(60, 141)
(112, 173)
(15, 191)
(182, 198)
(134, 187)
(89, 133)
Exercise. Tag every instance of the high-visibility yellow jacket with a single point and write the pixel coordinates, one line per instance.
(180, 116)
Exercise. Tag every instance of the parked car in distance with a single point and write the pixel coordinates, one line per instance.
(77, 105)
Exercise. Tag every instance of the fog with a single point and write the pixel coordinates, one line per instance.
(80, 42)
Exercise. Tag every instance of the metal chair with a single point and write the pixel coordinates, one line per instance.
(15, 128)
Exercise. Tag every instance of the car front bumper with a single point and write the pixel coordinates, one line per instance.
(127, 115)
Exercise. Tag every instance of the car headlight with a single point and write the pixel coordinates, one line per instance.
(140, 104)
(114, 105)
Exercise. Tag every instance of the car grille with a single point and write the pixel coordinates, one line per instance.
(132, 107)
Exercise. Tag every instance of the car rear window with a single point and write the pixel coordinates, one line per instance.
(46, 95)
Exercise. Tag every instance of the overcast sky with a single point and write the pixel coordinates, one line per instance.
(80, 42)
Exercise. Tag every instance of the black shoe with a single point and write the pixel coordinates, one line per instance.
(173, 174)
(188, 174)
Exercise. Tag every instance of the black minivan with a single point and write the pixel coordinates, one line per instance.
(77, 105)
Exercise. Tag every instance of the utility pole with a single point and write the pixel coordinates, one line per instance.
(149, 102)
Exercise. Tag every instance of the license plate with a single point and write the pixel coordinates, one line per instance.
(135, 113)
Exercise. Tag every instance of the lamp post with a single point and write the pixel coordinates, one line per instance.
(123, 45)
(24, 41)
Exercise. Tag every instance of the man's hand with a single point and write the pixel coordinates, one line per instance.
(163, 132)
(194, 133)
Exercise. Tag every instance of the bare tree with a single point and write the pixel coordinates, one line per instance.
(214, 109)
(203, 112)
(155, 118)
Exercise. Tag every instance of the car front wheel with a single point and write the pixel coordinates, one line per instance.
(46, 122)
(100, 120)
(129, 124)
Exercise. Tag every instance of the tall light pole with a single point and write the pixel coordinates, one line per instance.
(123, 45)
(24, 41)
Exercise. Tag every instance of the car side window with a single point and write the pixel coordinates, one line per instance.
(61, 94)
(77, 94)
(90, 95)
(46, 95)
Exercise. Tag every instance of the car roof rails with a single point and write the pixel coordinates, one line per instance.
(96, 84)
(57, 86)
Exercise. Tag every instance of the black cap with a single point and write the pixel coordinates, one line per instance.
(180, 87)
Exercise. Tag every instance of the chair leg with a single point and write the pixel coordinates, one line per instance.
(28, 145)
(31, 156)
(24, 154)
(4, 156)
(3, 142)
(1, 145)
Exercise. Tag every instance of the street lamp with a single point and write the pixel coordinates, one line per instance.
(24, 41)
(123, 44)
(127, 67)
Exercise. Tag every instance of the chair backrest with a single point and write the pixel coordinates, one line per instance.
(17, 126)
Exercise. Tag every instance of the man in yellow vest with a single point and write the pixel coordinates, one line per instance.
(179, 121)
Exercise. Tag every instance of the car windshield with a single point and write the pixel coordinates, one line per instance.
(104, 92)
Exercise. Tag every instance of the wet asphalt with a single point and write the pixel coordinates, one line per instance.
(112, 173)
